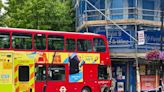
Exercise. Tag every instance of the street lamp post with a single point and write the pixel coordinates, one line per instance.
(161, 45)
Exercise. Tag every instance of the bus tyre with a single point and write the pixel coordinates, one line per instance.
(86, 89)
(107, 89)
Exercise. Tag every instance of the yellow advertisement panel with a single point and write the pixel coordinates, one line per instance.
(6, 78)
(60, 57)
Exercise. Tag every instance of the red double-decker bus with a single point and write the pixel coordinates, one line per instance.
(53, 61)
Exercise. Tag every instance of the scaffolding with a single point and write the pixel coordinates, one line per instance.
(106, 13)
(124, 14)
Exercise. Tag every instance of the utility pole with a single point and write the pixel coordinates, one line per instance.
(161, 46)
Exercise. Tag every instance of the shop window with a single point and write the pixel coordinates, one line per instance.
(23, 73)
(70, 45)
(40, 41)
(56, 72)
(99, 45)
(55, 42)
(151, 69)
(4, 40)
(103, 72)
(40, 72)
(22, 41)
(84, 45)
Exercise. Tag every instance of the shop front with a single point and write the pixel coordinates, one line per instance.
(123, 72)
(149, 77)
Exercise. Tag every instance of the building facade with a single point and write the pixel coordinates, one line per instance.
(120, 21)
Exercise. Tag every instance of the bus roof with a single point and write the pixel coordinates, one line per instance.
(44, 31)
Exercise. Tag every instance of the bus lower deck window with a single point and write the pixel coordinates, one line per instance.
(24, 73)
(102, 72)
(40, 72)
(56, 72)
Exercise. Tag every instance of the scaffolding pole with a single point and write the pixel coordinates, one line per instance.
(111, 21)
(137, 66)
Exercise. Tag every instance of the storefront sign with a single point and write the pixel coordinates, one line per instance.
(141, 38)
(117, 37)
(149, 82)
(153, 36)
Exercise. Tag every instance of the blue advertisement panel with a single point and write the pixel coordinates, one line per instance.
(153, 36)
(118, 37)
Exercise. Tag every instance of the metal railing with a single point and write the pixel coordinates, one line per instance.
(119, 13)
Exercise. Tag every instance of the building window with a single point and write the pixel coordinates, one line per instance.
(148, 12)
(84, 45)
(23, 73)
(40, 72)
(4, 40)
(117, 9)
(70, 44)
(99, 45)
(40, 41)
(22, 41)
(56, 72)
(55, 42)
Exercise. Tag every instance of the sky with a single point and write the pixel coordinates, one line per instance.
(3, 1)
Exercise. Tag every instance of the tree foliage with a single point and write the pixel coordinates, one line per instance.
(1, 5)
(1, 17)
(40, 14)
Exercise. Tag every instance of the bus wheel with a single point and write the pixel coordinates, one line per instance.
(107, 89)
(86, 89)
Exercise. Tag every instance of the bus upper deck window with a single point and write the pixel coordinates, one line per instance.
(99, 45)
(84, 45)
(55, 42)
(70, 44)
(24, 73)
(4, 40)
(40, 41)
(22, 41)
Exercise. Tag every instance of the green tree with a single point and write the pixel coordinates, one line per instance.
(1, 5)
(1, 17)
(40, 14)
